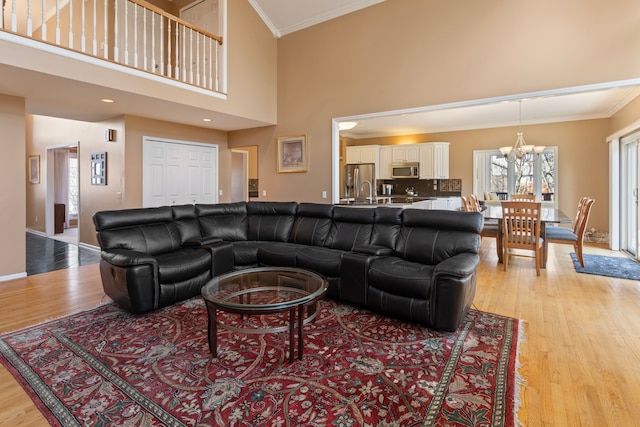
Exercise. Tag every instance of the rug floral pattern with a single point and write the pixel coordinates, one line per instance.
(108, 367)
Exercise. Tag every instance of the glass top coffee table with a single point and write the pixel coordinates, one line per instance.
(261, 291)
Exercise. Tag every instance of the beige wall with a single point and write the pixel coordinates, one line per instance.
(412, 53)
(13, 181)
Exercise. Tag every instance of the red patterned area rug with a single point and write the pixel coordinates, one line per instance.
(107, 367)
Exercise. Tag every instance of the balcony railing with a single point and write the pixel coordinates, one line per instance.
(128, 32)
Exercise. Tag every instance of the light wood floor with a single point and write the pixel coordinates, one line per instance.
(580, 360)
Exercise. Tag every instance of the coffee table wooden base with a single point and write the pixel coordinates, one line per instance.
(295, 311)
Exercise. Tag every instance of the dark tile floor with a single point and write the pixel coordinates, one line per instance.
(44, 254)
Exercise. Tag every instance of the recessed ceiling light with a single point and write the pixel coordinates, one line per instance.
(347, 125)
(206, 120)
(107, 100)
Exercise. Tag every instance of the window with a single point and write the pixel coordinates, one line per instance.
(535, 176)
(73, 186)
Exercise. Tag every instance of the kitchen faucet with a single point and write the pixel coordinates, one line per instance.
(370, 189)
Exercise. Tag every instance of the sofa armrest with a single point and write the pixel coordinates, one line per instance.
(130, 278)
(372, 250)
(460, 265)
(202, 241)
(453, 288)
(127, 258)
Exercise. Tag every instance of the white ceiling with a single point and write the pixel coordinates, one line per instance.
(287, 16)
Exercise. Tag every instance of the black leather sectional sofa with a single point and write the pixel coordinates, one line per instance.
(417, 265)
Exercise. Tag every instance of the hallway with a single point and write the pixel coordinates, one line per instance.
(45, 254)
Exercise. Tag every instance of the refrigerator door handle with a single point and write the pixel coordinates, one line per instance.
(356, 182)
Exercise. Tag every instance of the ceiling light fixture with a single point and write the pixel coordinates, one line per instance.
(107, 100)
(347, 125)
(206, 120)
(521, 151)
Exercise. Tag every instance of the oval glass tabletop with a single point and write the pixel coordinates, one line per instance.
(264, 288)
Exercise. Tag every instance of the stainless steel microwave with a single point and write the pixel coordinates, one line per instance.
(405, 170)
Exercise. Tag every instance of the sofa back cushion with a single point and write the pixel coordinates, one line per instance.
(149, 230)
(227, 221)
(350, 227)
(386, 227)
(312, 224)
(186, 222)
(431, 236)
(270, 221)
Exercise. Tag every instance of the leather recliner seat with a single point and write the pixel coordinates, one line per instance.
(414, 264)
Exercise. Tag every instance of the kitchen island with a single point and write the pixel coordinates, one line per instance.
(416, 202)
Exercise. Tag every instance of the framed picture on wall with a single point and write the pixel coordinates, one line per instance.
(34, 169)
(292, 153)
(99, 168)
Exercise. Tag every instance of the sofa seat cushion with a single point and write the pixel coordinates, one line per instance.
(279, 254)
(396, 276)
(322, 260)
(245, 254)
(183, 264)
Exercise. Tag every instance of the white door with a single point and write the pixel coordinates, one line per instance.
(178, 172)
(629, 180)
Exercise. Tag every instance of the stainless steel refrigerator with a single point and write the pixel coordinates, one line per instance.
(360, 182)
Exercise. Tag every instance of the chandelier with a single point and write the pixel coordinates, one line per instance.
(521, 151)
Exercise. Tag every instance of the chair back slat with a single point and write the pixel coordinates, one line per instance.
(584, 211)
(523, 198)
(521, 224)
(579, 214)
(475, 203)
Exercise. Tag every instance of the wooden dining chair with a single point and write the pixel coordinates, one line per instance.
(521, 230)
(523, 198)
(489, 228)
(466, 203)
(573, 236)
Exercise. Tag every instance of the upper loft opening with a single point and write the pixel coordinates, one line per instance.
(180, 40)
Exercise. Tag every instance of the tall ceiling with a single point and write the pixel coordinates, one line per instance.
(48, 96)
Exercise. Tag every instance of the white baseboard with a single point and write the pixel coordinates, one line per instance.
(13, 276)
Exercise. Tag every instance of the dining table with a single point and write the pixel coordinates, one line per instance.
(549, 214)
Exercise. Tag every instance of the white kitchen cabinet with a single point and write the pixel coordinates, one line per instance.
(439, 204)
(386, 158)
(434, 160)
(405, 153)
(454, 203)
(363, 154)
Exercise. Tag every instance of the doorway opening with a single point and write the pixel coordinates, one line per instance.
(63, 194)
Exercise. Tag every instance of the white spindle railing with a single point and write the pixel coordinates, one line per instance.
(133, 33)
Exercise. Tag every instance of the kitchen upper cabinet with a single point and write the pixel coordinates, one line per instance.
(386, 158)
(363, 154)
(434, 160)
(406, 153)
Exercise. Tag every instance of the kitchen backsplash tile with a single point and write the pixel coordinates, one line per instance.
(424, 187)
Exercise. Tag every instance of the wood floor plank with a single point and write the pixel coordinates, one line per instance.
(580, 358)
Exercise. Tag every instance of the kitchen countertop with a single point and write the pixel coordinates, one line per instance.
(396, 201)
